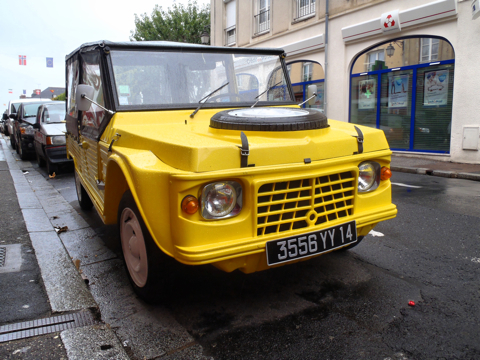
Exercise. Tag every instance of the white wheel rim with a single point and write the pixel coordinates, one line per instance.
(133, 246)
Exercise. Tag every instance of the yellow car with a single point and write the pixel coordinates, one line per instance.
(201, 152)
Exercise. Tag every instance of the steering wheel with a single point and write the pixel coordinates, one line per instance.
(217, 98)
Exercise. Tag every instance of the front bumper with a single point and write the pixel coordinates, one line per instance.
(57, 154)
(310, 197)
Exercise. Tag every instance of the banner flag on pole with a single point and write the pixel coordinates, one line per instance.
(22, 59)
(50, 62)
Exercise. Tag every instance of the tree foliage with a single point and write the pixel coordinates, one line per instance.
(61, 97)
(179, 23)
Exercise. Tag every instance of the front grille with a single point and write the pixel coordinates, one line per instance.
(297, 204)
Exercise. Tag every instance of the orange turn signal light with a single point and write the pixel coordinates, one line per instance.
(385, 173)
(190, 204)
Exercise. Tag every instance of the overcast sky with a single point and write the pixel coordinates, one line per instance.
(41, 29)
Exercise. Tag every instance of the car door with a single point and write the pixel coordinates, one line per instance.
(16, 124)
(91, 161)
(38, 139)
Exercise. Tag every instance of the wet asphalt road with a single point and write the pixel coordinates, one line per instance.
(344, 305)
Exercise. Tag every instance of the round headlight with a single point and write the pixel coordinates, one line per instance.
(368, 177)
(58, 140)
(221, 199)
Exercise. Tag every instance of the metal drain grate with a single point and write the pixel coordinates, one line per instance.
(45, 326)
(3, 255)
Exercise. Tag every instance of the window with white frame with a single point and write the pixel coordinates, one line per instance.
(303, 8)
(262, 19)
(429, 49)
(230, 22)
(374, 56)
(307, 71)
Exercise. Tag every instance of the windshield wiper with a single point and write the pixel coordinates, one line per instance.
(206, 99)
(258, 96)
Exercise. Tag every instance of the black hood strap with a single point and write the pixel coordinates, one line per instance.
(359, 140)
(244, 150)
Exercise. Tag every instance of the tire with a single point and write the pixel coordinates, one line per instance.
(23, 154)
(346, 248)
(41, 161)
(12, 141)
(269, 119)
(83, 198)
(141, 255)
(51, 168)
(5, 130)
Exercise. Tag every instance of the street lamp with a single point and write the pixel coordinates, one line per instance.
(390, 50)
(205, 36)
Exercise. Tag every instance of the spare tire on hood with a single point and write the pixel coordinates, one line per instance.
(269, 119)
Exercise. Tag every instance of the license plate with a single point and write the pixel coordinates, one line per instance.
(305, 245)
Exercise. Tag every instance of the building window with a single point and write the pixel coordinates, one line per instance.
(303, 8)
(314, 76)
(413, 103)
(372, 59)
(230, 36)
(307, 71)
(429, 51)
(230, 22)
(262, 19)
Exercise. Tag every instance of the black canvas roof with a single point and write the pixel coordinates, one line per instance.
(170, 45)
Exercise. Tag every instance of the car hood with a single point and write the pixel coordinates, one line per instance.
(53, 129)
(192, 145)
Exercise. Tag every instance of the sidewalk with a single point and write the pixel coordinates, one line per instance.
(68, 323)
(435, 167)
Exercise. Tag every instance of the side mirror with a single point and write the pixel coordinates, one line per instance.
(13, 116)
(4, 116)
(36, 126)
(312, 89)
(84, 92)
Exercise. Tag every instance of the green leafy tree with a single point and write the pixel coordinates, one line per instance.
(61, 97)
(179, 23)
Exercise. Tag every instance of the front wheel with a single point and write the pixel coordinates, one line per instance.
(21, 152)
(12, 141)
(40, 160)
(140, 253)
(52, 168)
(83, 198)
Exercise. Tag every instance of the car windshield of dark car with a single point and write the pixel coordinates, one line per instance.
(30, 112)
(54, 114)
(184, 78)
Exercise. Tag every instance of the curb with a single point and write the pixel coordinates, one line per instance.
(43, 208)
(440, 173)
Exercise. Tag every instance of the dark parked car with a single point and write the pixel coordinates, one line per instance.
(49, 138)
(23, 129)
(2, 121)
(12, 110)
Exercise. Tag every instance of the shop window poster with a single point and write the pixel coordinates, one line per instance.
(367, 94)
(398, 91)
(319, 98)
(436, 88)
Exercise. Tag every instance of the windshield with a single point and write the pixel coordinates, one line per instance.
(183, 79)
(54, 114)
(30, 112)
